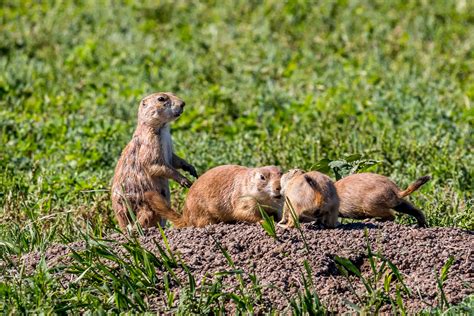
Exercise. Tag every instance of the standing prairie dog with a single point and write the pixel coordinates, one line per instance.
(148, 161)
(227, 194)
(313, 197)
(369, 195)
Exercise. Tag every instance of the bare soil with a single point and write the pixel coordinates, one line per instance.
(419, 254)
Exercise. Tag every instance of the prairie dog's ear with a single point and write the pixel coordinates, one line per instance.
(279, 172)
(294, 172)
(143, 103)
(313, 184)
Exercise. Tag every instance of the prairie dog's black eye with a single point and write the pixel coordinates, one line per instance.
(161, 98)
(262, 177)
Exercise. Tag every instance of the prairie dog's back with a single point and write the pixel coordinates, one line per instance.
(212, 191)
(365, 192)
(232, 193)
(369, 195)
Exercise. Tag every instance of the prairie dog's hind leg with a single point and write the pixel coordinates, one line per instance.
(389, 217)
(407, 208)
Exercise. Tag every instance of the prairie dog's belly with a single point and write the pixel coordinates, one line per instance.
(166, 144)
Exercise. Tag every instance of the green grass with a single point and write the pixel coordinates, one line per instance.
(287, 83)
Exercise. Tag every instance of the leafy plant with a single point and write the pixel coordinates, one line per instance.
(268, 223)
(378, 285)
(347, 166)
(440, 279)
(307, 302)
(297, 223)
(245, 302)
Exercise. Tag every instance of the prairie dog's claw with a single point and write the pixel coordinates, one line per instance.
(192, 171)
(185, 183)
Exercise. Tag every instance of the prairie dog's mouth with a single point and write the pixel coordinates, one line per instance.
(276, 196)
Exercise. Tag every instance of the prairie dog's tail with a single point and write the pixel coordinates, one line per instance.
(160, 206)
(318, 198)
(414, 186)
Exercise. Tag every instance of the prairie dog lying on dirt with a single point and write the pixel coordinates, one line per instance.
(369, 195)
(148, 161)
(313, 197)
(227, 194)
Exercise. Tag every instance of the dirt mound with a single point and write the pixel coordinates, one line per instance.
(419, 254)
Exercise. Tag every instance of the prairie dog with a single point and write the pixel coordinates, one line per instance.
(228, 193)
(313, 197)
(369, 195)
(148, 161)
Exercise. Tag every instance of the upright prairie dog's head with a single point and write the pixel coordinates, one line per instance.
(290, 174)
(265, 182)
(160, 108)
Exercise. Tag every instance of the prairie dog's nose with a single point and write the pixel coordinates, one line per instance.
(181, 104)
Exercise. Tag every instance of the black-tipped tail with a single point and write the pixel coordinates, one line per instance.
(415, 186)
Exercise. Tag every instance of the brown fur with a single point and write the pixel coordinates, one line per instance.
(312, 196)
(228, 194)
(148, 161)
(369, 195)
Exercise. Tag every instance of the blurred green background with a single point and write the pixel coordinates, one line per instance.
(296, 83)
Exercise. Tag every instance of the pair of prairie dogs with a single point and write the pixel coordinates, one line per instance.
(314, 196)
(231, 193)
(140, 189)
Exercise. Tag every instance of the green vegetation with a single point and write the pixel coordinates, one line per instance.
(386, 86)
(381, 269)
